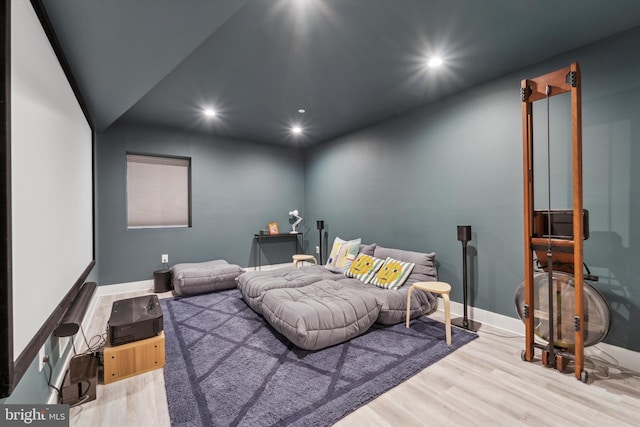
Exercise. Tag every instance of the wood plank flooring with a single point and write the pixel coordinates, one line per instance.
(483, 383)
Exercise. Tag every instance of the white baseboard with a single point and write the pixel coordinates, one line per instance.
(120, 288)
(270, 267)
(496, 320)
(625, 358)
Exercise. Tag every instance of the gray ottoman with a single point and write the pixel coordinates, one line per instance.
(320, 315)
(202, 277)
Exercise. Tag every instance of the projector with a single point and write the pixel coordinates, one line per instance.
(134, 319)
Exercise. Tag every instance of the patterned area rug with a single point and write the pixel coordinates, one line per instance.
(225, 366)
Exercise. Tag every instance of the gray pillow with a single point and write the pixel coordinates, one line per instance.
(425, 267)
(367, 249)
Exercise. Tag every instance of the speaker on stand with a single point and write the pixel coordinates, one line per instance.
(320, 225)
(464, 235)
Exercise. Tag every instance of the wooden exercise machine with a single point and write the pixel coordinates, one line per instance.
(562, 254)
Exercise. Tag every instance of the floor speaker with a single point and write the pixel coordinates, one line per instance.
(464, 235)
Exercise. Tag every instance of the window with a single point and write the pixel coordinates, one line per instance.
(158, 191)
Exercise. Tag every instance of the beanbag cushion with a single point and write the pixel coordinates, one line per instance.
(203, 277)
(254, 284)
(319, 315)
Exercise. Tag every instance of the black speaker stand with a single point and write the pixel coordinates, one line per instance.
(464, 235)
(468, 324)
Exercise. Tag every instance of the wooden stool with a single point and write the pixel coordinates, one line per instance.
(441, 288)
(302, 257)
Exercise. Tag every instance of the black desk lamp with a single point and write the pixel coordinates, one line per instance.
(464, 235)
(320, 225)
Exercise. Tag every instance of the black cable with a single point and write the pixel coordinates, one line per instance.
(548, 92)
(48, 362)
(94, 345)
(85, 338)
(550, 322)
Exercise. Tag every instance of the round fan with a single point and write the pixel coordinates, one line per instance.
(596, 310)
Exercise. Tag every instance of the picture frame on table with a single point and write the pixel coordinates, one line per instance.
(273, 228)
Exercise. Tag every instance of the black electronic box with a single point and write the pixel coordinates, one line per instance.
(134, 319)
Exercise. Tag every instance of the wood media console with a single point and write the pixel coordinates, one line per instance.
(137, 357)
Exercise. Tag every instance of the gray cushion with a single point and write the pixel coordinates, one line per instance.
(367, 249)
(203, 277)
(393, 303)
(425, 267)
(319, 315)
(253, 284)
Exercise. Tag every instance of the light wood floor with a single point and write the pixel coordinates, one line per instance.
(483, 383)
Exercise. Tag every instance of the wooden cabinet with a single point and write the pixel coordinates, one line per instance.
(127, 360)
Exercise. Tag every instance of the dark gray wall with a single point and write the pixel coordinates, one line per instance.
(237, 188)
(408, 182)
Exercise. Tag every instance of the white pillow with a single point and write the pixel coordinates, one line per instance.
(343, 252)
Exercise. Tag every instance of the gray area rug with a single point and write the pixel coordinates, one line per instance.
(225, 366)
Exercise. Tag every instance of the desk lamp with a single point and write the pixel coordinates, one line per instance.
(298, 221)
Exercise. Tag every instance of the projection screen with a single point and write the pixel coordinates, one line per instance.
(51, 187)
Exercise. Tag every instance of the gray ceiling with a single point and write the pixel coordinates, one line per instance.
(349, 63)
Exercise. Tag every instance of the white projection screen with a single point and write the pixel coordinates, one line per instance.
(51, 179)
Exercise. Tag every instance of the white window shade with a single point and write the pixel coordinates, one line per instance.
(157, 191)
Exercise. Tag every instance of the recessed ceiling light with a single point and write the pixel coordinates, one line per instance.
(435, 61)
(301, 110)
(296, 130)
(209, 112)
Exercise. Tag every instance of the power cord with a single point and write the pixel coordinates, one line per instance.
(96, 343)
(500, 335)
(611, 364)
(93, 347)
(48, 362)
(85, 396)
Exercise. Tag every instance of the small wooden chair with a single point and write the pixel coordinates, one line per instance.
(297, 258)
(441, 288)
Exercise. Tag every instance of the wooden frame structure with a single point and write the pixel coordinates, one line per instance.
(568, 252)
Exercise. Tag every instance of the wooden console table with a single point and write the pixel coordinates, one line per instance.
(260, 238)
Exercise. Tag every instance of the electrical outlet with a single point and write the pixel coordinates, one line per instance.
(317, 249)
(165, 258)
(41, 358)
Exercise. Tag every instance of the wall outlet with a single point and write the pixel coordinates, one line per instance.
(317, 249)
(165, 258)
(41, 358)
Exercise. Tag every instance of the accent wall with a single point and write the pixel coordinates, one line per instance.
(408, 182)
